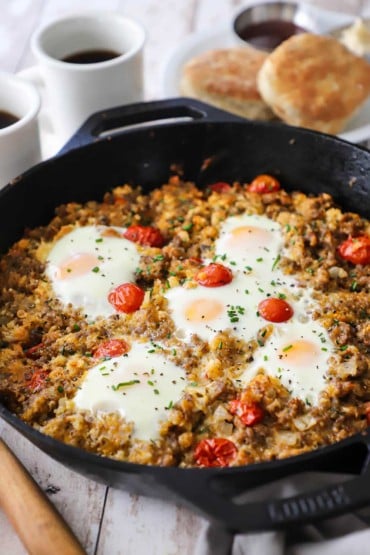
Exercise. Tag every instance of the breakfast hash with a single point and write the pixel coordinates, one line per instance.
(190, 327)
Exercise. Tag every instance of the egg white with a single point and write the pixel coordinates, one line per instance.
(141, 385)
(249, 241)
(297, 352)
(116, 260)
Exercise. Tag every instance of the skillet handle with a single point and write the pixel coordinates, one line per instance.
(38, 524)
(120, 119)
(214, 493)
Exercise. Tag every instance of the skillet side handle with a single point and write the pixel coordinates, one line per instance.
(118, 120)
(272, 514)
(319, 504)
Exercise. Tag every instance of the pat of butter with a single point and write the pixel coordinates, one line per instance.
(141, 386)
(357, 38)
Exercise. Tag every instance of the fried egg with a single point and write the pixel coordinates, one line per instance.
(249, 241)
(205, 311)
(141, 385)
(296, 351)
(85, 264)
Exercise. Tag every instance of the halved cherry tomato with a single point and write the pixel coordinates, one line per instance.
(195, 260)
(37, 380)
(356, 249)
(127, 297)
(214, 275)
(275, 310)
(249, 413)
(264, 183)
(111, 348)
(144, 235)
(220, 187)
(215, 452)
(33, 351)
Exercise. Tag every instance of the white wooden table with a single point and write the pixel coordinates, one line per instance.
(108, 521)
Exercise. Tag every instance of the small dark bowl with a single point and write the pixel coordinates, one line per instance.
(266, 25)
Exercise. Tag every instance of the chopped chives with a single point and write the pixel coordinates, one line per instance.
(124, 384)
(276, 262)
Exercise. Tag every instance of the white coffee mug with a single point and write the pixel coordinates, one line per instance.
(74, 91)
(19, 141)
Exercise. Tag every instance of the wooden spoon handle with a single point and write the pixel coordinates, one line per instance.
(36, 521)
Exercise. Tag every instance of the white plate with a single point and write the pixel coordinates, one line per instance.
(357, 129)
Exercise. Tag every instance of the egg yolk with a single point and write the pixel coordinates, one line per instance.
(249, 237)
(203, 310)
(300, 353)
(76, 265)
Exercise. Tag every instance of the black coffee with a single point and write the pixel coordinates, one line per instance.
(6, 119)
(91, 56)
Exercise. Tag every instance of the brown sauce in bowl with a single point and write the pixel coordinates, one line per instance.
(267, 35)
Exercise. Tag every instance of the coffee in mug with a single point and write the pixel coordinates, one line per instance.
(6, 119)
(88, 62)
(19, 132)
(91, 56)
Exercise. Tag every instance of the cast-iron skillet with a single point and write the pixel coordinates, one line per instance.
(209, 145)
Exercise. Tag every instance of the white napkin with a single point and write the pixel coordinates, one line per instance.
(344, 535)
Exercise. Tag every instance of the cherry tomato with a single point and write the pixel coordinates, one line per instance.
(249, 413)
(111, 348)
(127, 297)
(275, 310)
(215, 452)
(356, 249)
(33, 351)
(214, 275)
(264, 183)
(120, 201)
(195, 260)
(37, 380)
(144, 235)
(220, 187)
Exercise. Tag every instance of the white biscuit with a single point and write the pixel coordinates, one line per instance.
(313, 81)
(226, 78)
